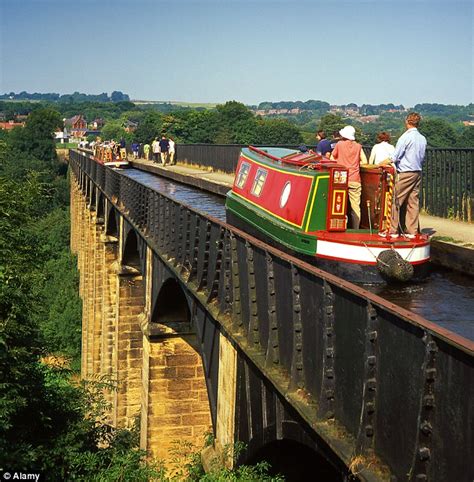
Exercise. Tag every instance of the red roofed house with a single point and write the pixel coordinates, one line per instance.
(76, 125)
(10, 125)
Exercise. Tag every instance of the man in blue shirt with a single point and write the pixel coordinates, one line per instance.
(408, 159)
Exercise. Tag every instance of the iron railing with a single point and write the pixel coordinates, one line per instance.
(391, 383)
(448, 175)
(221, 157)
(447, 186)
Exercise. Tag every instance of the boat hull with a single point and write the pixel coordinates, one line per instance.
(118, 164)
(348, 270)
(302, 208)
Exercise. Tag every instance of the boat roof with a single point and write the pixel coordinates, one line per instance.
(289, 157)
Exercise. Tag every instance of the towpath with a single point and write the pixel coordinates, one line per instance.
(448, 230)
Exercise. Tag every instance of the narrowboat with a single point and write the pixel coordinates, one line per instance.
(298, 202)
(109, 155)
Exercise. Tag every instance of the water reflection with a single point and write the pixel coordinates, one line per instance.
(445, 297)
(199, 200)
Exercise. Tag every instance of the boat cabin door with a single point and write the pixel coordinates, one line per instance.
(376, 198)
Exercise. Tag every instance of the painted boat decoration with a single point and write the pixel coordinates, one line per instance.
(299, 202)
(109, 155)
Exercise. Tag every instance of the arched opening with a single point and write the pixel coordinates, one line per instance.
(112, 225)
(93, 198)
(296, 462)
(131, 255)
(100, 207)
(171, 304)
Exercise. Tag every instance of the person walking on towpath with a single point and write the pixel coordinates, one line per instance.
(350, 154)
(155, 147)
(146, 151)
(135, 149)
(172, 151)
(164, 148)
(408, 158)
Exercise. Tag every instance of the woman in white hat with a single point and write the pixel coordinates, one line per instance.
(350, 154)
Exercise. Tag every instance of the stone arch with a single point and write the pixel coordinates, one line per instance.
(112, 227)
(131, 254)
(93, 197)
(100, 206)
(176, 380)
(171, 305)
(296, 461)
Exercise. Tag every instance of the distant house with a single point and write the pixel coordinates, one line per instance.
(97, 124)
(10, 125)
(130, 126)
(367, 119)
(77, 126)
(75, 123)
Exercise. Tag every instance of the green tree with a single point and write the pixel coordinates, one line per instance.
(36, 138)
(237, 124)
(466, 138)
(194, 126)
(114, 130)
(331, 123)
(277, 131)
(46, 422)
(438, 132)
(149, 128)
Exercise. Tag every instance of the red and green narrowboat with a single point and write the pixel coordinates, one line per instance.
(299, 202)
(109, 155)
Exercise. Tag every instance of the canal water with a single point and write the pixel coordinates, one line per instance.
(445, 297)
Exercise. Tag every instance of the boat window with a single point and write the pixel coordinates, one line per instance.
(259, 181)
(285, 194)
(242, 175)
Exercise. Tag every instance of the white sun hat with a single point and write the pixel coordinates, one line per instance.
(348, 132)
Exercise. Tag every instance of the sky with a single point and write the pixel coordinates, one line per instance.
(374, 51)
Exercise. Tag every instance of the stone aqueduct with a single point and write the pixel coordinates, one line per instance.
(207, 329)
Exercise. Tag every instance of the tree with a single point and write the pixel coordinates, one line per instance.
(194, 126)
(117, 96)
(331, 123)
(277, 131)
(113, 130)
(237, 124)
(232, 112)
(37, 138)
(46, 422)
(438, 132)
(149, 128)
(466, 138)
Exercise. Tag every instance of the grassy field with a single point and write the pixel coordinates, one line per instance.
(181, 104)
(66, 145)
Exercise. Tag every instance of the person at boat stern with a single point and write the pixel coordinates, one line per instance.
(408, 158)
(350, 154)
